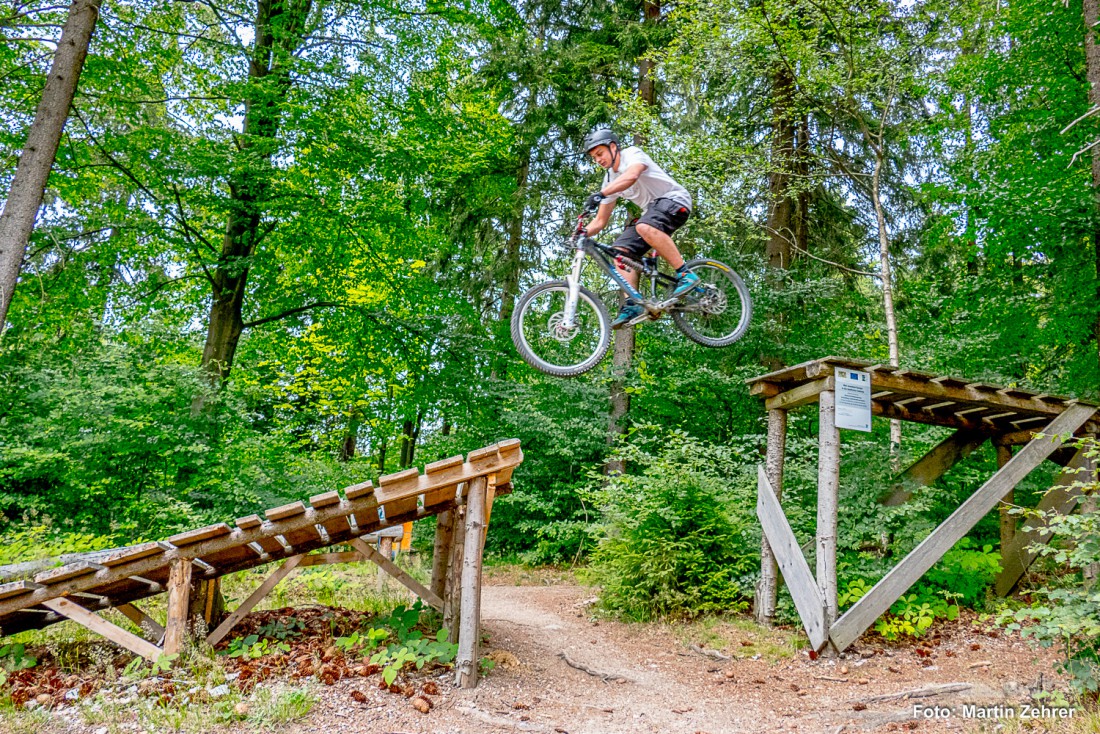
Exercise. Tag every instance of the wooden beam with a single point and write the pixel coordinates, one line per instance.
(933, 465)
(1062, 498)
(828, 499)
(384, 563)
(974, 394)
(1007, 520)
(148, 625)
(327, 559)
(246, 606)
(807, 597)
(469, 633)
(801, 395)
(452, 600)
(441, 552)
(767, 588)
(179, 592)
(101, 626)
(942, 539)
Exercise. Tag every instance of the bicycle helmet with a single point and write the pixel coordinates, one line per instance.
(596, 138)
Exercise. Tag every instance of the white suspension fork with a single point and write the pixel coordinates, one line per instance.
(574, 282)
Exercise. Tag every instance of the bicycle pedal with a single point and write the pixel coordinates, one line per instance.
(639, 319)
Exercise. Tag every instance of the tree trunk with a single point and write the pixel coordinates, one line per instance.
(279, 30)
(1092, 72)
(781, 202)
(887, 289)
(623, 350)
(31, 175)
(351, 437)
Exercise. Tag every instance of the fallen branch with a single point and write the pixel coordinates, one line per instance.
(605, 677)
(919, 692)
(829, 677)
(710, 653)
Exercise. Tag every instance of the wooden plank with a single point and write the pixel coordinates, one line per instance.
(67, 572)
(282, 513)
(384, 563)
(933, 465)
(152, 629)
(327, 559)
(398, 482)
(765, 389)
(318, 501)
(443, 464)
(490, 495)
(974, 393)
(133, 553)
(1007, 519)
(1062, 498)
(828, 502)
(250, 522)
(469, 632)
(101, 626)
(246, 606)
(801, 583)
(179, 595)
(17, 588)
(358, 491)
(767, 588)
(195, 536)
(801, 395)
(942, 539)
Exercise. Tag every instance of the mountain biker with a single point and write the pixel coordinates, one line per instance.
(665, 204)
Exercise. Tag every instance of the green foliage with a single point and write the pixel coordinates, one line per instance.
(139, 667)
(281, 630)
(676, 539)
(414, 651)
(1066, 613)
(253, 647)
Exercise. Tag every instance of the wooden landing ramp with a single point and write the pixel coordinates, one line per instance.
(78, 589)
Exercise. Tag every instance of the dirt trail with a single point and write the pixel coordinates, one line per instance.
(656, 683)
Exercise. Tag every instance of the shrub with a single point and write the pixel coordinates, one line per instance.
(676, 538)
(1067, 613)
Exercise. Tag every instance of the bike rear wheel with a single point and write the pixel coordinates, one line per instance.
(717, 313)
(547, 345)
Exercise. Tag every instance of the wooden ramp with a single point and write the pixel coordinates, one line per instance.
(289, 533)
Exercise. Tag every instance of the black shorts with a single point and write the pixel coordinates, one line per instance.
(664, 214)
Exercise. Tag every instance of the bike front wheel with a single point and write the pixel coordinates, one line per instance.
(544, 340)
(717, 313)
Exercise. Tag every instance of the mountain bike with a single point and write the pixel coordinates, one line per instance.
(562, 328)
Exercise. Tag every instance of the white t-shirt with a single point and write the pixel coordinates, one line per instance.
(651, 185)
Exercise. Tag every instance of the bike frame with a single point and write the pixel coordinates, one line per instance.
(606, 257)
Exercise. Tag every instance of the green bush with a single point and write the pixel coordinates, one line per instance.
(676, 539)
(1067, 612)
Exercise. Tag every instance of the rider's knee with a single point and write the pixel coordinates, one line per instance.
(646, 230)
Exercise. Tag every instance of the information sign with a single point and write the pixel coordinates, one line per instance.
(853, 399)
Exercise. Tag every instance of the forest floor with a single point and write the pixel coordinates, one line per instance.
(560, 670)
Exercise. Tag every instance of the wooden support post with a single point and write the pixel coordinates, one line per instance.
(1008, 520)
(149, 626)
(828, 490)
(452, 600)
(466, 663)
(933, 465)
(101, 626)
(246, 606)
(385, 565)
(179, 591)
(386, 549)
(768, 586)
(444, 536)
(895, 583)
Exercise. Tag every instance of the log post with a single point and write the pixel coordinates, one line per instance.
(466, 663)
(452, 599)
(1008, 521)
(441, 552)
(179, 591)
(828, 488)
(385, 547)
(768, 586)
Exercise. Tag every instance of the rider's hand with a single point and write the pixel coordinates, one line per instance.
(593, 202)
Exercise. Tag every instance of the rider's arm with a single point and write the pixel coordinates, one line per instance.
(625, 181)
(602, 217)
